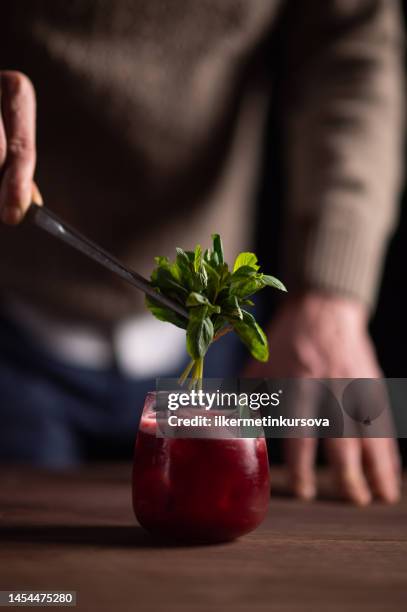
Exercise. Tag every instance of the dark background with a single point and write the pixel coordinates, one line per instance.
(389, 325)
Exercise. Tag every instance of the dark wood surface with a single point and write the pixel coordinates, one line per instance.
(76, 531)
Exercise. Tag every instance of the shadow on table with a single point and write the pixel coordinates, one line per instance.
(326, 496)
(327, 492)
(103, 536)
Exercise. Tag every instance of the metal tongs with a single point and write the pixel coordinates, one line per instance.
(43, 218)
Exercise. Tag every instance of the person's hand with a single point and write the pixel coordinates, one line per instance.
(321, 336)
(17, 147)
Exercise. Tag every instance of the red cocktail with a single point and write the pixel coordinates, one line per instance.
(198, 489)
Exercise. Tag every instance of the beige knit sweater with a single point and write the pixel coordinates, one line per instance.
(150, 122)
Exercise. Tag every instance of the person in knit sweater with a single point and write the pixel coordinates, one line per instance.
(145, 119)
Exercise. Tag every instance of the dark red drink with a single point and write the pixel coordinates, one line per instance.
(198, 489)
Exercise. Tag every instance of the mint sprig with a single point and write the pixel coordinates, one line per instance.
(215, 297)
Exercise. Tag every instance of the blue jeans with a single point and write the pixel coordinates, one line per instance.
(56, 415)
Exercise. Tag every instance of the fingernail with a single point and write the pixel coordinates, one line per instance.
(304, 490)
(354, 489)
(391, 497)
(360, 495)
(363, 499)
(36, 195)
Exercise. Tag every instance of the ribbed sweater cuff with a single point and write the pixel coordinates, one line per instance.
(345, 259)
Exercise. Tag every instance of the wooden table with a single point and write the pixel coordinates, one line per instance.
(76, 531)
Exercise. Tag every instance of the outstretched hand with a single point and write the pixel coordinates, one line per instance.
(322, 336)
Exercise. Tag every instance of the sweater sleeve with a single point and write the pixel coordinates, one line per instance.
(343, 127)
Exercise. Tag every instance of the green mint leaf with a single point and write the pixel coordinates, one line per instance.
(215, 260)
(271, 281)
(197, 258)
(199, 332)
(224, 274)
(185, 269)
(182, 260)
(197, 299)
(213, 281)
(245, 287)
(252, 335)
(218, 248)
(165, 314)
(246, 281)
(203, 277)
(244, 272)
(246, 259)
(231, 308)
(165, 279)
(161, 261)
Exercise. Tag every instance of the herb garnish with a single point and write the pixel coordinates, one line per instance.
(215, 297)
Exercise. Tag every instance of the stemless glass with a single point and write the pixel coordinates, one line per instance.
(198, 489)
